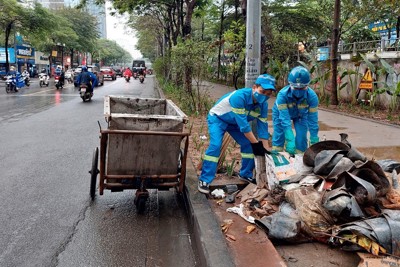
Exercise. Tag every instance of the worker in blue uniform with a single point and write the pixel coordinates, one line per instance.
(232, 114)
(296, 103)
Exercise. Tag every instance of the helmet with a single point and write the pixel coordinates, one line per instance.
(12, 68)
(299, 77)
(266, 81)
(84, 68)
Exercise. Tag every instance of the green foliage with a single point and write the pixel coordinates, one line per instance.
(279, 70)
(235, 43)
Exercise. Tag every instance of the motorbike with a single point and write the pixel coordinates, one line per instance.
(43, 79)
(14, 83)
(25, 77)
(84, 93)
(135, 75)
(127, 78)
(141, 78)
(11, 84)
(57, 81)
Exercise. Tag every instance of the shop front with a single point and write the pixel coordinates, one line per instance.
(25, 57)
(11, 59)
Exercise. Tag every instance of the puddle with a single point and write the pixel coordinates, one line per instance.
(325, 127)
(378, 153)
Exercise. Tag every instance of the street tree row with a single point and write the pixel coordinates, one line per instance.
(43, 29)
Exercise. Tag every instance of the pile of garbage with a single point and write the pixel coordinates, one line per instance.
(331, 194)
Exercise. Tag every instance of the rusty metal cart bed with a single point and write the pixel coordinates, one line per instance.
(144, 147)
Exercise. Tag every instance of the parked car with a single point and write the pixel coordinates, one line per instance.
(109, 73)
(118, 72)
(91, 68)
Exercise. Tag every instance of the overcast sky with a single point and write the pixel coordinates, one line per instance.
(124, 37)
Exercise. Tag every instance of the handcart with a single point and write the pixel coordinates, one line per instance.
(144, 147)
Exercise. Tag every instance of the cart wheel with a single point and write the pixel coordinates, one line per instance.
(141, 204)
(93, 172)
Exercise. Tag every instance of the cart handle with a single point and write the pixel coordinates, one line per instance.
(107, 131)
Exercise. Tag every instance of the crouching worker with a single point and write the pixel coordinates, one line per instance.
(232, 114)
(295, 103)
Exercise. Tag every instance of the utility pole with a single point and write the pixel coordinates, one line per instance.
(334, 52)
(253, 40)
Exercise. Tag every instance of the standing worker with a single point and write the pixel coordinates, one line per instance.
(298, 103)
(232, 114)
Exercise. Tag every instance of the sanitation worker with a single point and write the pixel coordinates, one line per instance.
(295, 103)
(232, 114)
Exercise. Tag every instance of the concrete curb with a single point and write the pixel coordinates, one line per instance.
(210, 243)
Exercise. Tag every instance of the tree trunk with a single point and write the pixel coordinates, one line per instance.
(334, 54)
(221, 25)
(8, 31)
(187, 29)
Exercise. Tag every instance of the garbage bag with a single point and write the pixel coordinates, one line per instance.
(284, 224)
(307, 202)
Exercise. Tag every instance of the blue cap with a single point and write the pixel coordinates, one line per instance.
(266, 81)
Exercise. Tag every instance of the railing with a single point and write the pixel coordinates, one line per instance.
(369, 46)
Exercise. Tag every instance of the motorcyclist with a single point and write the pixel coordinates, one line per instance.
(58, 70)
(25, 75)
(16, 76)
(141, 71)
(128, 72)
(87, 78)
(62, 77)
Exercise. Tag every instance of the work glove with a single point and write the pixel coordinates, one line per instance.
(290, 144)
(314, 139)
(258, 148)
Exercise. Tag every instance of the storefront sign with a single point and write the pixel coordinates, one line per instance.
(11, 55)
(25, 51)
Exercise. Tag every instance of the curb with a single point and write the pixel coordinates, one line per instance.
(209, 241)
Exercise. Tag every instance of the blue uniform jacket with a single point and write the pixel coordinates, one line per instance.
(238, 108)
(289, 108)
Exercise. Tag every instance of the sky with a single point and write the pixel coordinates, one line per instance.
(116, 31)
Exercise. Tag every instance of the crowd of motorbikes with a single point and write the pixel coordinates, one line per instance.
(136, 74)
(15, 81)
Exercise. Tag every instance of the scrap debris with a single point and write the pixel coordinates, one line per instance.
(331, 194)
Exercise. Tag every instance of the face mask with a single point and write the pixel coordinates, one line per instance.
(299, 93)
(260, 98)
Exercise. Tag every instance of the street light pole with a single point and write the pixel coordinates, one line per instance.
(253, 40)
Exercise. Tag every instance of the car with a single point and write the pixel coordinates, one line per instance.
(91, 68)
(118, 72)
(109, 73)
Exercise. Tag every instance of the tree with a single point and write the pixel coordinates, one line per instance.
(11, 15)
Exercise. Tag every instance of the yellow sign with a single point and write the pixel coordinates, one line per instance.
(54, 53)
(366, 81)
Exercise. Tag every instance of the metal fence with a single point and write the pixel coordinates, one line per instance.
(369, 46)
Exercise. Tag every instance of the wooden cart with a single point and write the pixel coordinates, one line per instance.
(144, 147)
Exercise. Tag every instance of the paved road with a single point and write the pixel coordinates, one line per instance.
(47, 219)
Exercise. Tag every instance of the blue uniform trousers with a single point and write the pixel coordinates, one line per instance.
(217, 129)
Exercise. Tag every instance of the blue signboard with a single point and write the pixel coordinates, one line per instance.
(383, 30)
(11, 55)
(323, 53)
(25, 51)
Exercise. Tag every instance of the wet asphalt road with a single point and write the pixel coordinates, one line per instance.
(47, 138)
